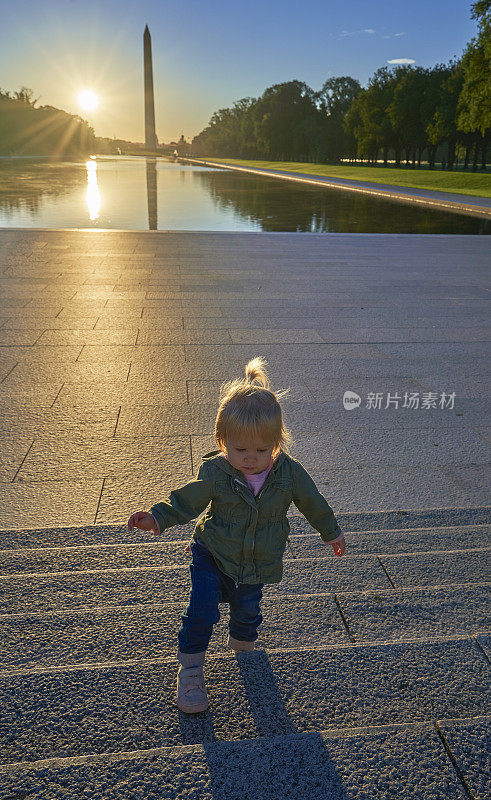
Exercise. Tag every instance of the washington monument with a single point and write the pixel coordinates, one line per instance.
(150, 135)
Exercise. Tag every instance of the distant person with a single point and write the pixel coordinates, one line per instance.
(238, 544)
(444, 164)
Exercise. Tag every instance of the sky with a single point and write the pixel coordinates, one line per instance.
(207, 54)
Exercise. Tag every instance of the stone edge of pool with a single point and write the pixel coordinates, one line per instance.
(475, 207)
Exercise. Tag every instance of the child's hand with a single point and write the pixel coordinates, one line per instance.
(339, 547)
(144, 521)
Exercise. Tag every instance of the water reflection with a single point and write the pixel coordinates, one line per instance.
(92, 195)
(25, 184)
(278, 205)
(49, 194)
(152, 194)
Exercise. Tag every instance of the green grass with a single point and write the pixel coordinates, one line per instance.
(473, 183)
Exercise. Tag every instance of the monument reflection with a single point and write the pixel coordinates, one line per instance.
(152, 194)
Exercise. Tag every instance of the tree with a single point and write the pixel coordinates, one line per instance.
(406, 111)
(335, 99)
(368, 118)
(282, 117)
(474, 102)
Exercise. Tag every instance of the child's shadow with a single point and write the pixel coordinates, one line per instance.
(282, 764)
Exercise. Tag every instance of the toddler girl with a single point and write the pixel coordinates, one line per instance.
(238, 544)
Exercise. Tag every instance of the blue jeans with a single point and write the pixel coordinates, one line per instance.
(209, 587)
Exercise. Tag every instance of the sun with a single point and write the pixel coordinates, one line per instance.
(88, 100)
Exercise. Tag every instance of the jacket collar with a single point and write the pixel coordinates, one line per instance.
(223, 464)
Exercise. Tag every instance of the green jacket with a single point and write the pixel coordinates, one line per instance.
(247, 535)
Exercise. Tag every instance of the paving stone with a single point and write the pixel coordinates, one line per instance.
(473, 480)
(438, 568)
(121, 497)
(32, 556)
(358, 489)
(323, 417)
(43, 321)
(404, 614)
(73, 536)
(165, 355)
(41, 396)
(371, 293)
(448, 351)
(18, 337)
(484, 641)
(275, 353)
(424, 448)
(106, 336)
(49, 502)
(177, 336)
(80, 373)
(397, 541)
(39, 355)
(13, 452)
(122, 393)
(69, 458)
(470, 744)
(333, 389)
(209, 392)
(262, 336)
(402, 334)
(41, 423)
(173, 419)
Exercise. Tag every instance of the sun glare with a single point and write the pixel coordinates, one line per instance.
(93, 195)
(88, 100)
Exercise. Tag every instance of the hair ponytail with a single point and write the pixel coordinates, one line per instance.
(248, 407)
(255, 372)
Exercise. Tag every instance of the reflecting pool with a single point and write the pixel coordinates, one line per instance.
(139, 193)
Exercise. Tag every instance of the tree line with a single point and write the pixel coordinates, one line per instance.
(27, 130)
(404, 114)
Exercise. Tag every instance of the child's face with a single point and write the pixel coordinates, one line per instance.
(250, 456)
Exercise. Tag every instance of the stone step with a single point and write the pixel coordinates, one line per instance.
(150, 632)
(356, 521)
(41, 592)
(73, 711)
(124, 587)
(430, 569)
(421, 760)
(156, 553)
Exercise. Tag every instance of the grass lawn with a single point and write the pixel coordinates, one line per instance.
(474, 183)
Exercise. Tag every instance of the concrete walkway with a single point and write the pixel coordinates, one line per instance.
(448, 201)
(371, 675)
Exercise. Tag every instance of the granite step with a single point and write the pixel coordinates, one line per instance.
(350, 522)
(155, 552)
(114, 633)
(42, 592)
(380, 658)
(61, 712)
(82, 589)
(412, 760)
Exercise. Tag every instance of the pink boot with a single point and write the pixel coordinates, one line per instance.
(191, 692)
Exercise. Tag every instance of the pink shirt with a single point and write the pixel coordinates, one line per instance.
(256, 481)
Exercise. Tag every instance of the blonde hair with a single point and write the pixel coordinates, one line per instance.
(248, 407)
